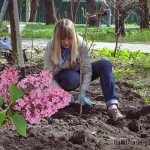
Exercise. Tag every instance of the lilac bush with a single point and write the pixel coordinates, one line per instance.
(40, 98)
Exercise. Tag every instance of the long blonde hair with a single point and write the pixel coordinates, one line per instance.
(64, 28)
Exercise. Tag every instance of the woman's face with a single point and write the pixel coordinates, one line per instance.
(66, 42)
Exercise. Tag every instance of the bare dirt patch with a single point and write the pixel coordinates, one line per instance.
(67, 130)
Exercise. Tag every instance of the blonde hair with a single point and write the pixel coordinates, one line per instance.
(64, 28)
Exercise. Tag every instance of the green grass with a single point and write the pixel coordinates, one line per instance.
(101, 34)
(147, 100)
(3, 28)
(135, 35)
(40, 30)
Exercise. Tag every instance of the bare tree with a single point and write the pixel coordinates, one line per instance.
(144, 12)
(121, 9)
(34, 8)
(28, 9)
(120, 16)
(74, 9)
(50, 14)
(13, 33)
(92, 15)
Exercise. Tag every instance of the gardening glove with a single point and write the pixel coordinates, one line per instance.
(72, 100)
(85, 99)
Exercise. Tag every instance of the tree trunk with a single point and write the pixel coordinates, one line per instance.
(91, 9)
(28, 9)
(3, 11)
(144, 23)
(50, 14)
(34, 8)
(119, 19)
(13, 56)
(119, 23)
(113, 12)
(74, 9)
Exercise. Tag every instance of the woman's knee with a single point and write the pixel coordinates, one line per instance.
(105, 64)
(68, 79)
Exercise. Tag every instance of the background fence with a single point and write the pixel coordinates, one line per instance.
(63, 11)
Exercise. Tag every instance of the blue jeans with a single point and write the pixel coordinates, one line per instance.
(69, 79)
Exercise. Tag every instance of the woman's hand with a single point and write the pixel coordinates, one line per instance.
(85, 99)
(72, 101)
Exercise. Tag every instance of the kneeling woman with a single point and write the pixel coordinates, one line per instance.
(66, 53)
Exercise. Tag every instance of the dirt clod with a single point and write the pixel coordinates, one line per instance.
(133, 126)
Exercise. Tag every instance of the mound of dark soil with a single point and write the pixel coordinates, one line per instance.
(93, 130)
(68, 130)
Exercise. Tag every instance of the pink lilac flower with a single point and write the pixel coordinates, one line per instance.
(8, 76)
(38, 107)
(41, 100)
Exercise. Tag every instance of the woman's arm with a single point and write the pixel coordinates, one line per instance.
(48, 64)
(85, 65)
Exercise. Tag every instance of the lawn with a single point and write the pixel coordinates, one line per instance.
(40, 30)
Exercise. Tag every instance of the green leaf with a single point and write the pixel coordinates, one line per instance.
(1, 101)
(9, 113)
(20, 124)
(15, 93)
(2, 117)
